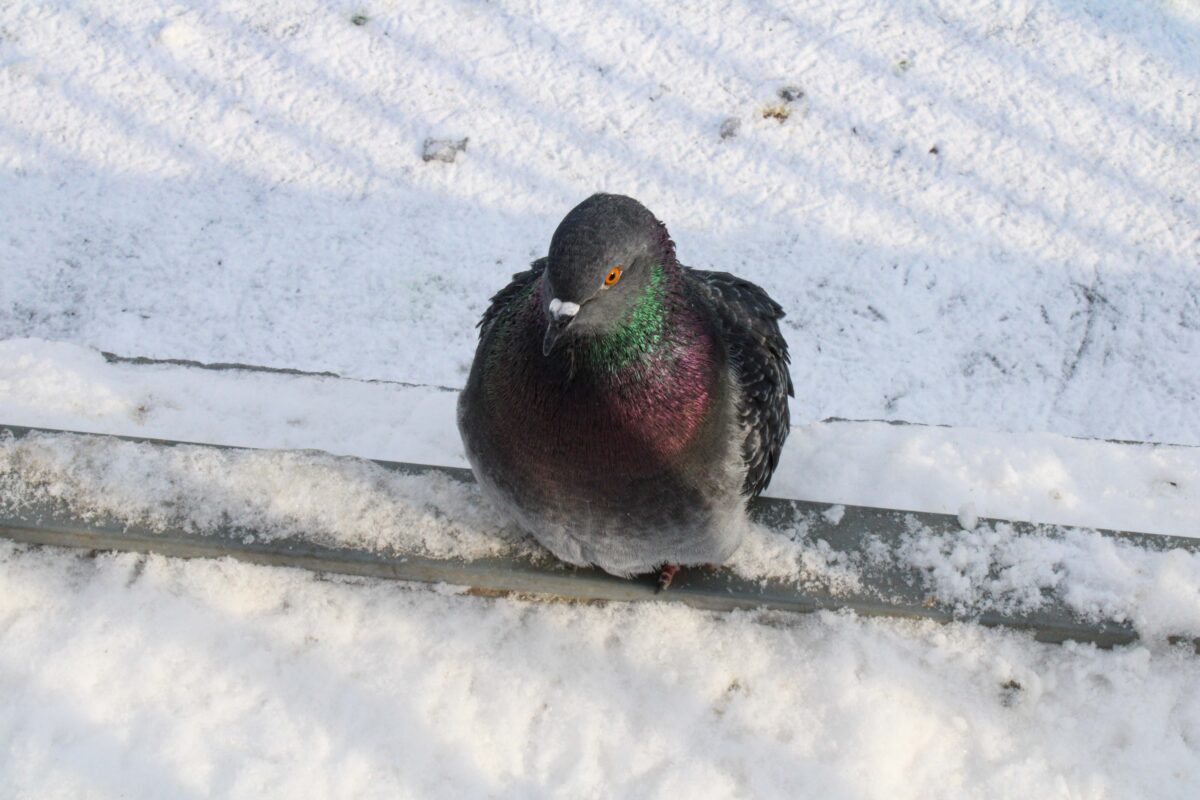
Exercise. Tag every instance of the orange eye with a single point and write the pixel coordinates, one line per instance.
(613, 276)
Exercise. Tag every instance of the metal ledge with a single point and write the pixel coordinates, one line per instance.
(894, 591)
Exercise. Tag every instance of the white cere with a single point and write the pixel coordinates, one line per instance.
(563, 309)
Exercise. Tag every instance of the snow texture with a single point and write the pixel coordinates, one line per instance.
(990, 568)
(126, 676)
(1032, 477)
(346, 502)
(976, 214)
(267, 495)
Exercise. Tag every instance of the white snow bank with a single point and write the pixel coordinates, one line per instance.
(60, 385)
(146, 677)
(1032, 477)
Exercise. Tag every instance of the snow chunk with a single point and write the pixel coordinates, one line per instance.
(968, 517)
(834, 514)
(179, 34)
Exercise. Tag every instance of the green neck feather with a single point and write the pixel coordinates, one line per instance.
(639, 335)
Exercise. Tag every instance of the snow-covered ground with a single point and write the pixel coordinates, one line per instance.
(976, 214)
(243, 181)
(149, 678)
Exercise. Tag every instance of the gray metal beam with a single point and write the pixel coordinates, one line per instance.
(893, 591)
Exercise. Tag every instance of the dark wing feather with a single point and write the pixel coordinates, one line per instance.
(502, 298)
(749, 319)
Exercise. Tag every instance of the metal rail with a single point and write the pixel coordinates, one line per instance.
(894, 590)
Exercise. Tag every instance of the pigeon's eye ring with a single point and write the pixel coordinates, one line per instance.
(613, 275)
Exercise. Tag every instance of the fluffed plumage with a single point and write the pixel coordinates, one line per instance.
(622, 407)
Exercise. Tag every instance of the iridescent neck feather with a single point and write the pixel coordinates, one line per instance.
(639, 335)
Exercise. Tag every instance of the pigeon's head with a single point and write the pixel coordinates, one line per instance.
(600, 262)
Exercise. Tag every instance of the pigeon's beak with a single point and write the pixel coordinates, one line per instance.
(561, 315)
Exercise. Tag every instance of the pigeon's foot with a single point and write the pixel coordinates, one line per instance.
(665, 576)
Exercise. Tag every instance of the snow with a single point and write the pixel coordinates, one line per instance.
(352, 503)
(205, 679)
(1041, 477)
(989, 568)
(244, 182)
(968, 517)
(269, 494)
(59, 385)
(980, 215)
(1037, 477)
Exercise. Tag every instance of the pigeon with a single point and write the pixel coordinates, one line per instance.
(621, 407)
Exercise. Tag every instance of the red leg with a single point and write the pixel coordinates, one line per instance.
(665, 576)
